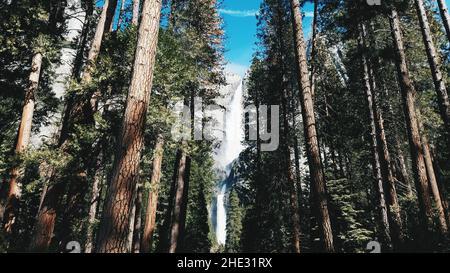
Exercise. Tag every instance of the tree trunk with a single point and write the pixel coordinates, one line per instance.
(293, 196)
(441, 186)
(297, 164)
(3, 195)
(408, 96)
(403, 172)
(152, 201)
(433, 60)
(114, 225)
(136, 240)
(396, 226)
(289, 172)
(121, 14)
(314, 48)
(23, 139)
(177, 221)
(172, 13)
(445, 17)
(384, 228)
(46, 218)
(388, 166)
(296, 153)
(131, 225)
(389, 182)
(103, 26)
(309, 124)
(98, 177)
(83, 41)
(431, 174)
(72, 209)
(135, 18)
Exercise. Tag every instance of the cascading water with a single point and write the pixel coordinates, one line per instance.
(230, 150)
(221, 216)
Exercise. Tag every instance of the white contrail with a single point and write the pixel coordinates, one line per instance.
(252, 13)
(239, 13)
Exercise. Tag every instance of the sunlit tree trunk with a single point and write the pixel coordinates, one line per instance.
(445, 17)
(115, 221)
(152, 201)
(135, 18)
(408, 96)
(103, 26)
(433, 60)
(309, 124)
(23, 139)
(431, 174)
(179, 214)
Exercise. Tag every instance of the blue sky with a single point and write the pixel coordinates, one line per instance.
(240, 29)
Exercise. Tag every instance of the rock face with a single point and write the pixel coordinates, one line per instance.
(227, 91)
(224, 101)
(75, 15)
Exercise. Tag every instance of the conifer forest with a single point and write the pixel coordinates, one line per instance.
(124, 128)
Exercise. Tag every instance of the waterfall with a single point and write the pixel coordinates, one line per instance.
(221, 231)
(229, 152)
(233, 127)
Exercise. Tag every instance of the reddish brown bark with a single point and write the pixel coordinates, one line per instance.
(115, 222)
(431, 174)
(180, 201)
(408, 96)
(23, 139)
(152, 201)
(103, 26)
(309, 124)
(45, 223)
